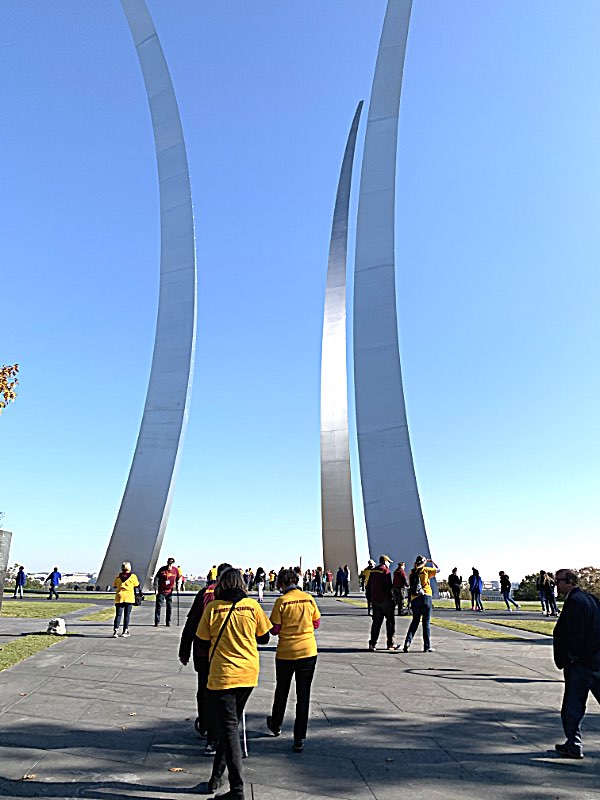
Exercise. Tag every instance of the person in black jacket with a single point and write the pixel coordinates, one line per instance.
(455, 584)
(577, 653)
(189, 642)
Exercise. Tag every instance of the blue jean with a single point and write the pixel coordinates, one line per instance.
(542, 596)
(119, 609)
(52, 592)
(18, 591)
(476, 601)
(579, 681)
(508, 599)
(421, 610)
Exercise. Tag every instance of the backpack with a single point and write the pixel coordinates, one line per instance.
(414, 583)
(57, 627)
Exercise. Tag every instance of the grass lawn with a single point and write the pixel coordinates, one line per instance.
(34, 610)
(100, 616)
(490, 605)
(471, 630)
(26, 646)
(533, 625)
(350, 601)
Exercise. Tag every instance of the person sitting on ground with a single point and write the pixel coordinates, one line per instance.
(231, 626)
(419, 583)
(190, 644)
(295, 618)
(379, 594)
(125, 583)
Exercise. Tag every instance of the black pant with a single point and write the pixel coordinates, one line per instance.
(119, 609)
(160, 599)
(383, 610)
(303, 669)
(579, 681)
(227, 706)
(52, 592)
(456, 593)
(399, 599)
(205, 716)
(421, 609)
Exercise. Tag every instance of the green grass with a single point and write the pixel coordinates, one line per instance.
(490, 605)
(25, 646)
(99, 616)
(34, 610)
(532, 625)
(350, 601)
(471, 630)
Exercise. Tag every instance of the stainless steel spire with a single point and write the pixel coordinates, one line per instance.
(393, 515)
(142, 519)
(339, 540)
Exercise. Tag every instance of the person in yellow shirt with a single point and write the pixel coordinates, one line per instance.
(230, 628)
(295, 618)
(420, 594)
(125, 583)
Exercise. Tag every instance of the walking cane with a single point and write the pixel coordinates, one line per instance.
(244, 740)
(177, 605)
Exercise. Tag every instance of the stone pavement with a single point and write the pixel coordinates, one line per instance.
(96, 717)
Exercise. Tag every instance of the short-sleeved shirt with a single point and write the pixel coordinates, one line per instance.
(235, 662)
(295, 611)
(425, 573)
(126, 588)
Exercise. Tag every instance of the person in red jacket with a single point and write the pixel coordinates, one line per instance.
(399, 586)
(379, 595)
(165, 580)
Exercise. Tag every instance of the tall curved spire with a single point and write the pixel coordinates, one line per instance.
(393, 514)
(337, 515)
(140, 526)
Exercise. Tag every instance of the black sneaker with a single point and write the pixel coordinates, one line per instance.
(208, 787)
(405, 649)
(210, 749)
(567, 750)
(275, 731)
(298, 745)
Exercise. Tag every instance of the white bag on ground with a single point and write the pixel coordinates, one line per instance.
(57, 626)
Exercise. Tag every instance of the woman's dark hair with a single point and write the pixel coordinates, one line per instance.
(287, 577)
(230, 579)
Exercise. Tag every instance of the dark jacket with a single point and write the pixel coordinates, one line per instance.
(577, 631)
(189, 639)
(454, 581)
(504, 583)
(379, 587)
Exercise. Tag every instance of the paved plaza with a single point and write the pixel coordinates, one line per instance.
(97, 717)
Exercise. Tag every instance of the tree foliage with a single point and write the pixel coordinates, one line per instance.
(8, 384)
(589, 580)
(527, 590)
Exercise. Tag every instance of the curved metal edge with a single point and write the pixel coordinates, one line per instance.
(393, 513)
(337, 514)
(140, 526)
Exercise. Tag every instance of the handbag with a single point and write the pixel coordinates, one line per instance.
(139, 598)
(221, 631)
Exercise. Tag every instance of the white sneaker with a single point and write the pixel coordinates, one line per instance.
(125, 634)
(115, 635)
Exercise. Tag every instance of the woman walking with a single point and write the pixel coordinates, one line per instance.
(259, 583)
(420, 594)
(476, 587)
(125, 583)
(295, 617)
(231, 626)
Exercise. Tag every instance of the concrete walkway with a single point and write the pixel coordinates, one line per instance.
(97, 717)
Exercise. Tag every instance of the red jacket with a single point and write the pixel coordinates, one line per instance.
(379, 587)
(400, 579)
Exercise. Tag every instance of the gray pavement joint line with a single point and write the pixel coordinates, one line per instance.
(457, 760)
(329, 722)
(33, 691)
(363, 777)
(393, 702)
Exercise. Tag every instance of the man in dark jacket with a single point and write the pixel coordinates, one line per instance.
(379, 595)
(165, 580)
(455, 584)
(577, 653)
(191, 644)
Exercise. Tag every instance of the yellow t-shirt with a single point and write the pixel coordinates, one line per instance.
(295, 611)
(425, 573)
(212, 574)
(236, 658)
(126, 588)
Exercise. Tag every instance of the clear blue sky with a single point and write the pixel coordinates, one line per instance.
(498, 252)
